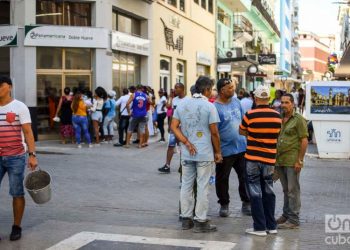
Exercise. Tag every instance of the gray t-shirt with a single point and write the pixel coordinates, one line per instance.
(195, 116)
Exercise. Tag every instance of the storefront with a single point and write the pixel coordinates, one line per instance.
(64, 58)
(8, 35)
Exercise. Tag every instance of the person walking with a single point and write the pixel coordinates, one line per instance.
(200, 147)
(295, 95)
(79, 119)
(173, 103)
(233, 146)
(16, 138)
(261, 126)
(109, 105)
(301, 100)
(291, 148)
(138, 102)
(64, 106)
(161, 113)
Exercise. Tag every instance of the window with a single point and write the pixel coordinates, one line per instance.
(288, 3)
(224, 17)
(204, 4)
(126, 24)
(287, 23)
(182, 5)
(287, 44)
(4, 12)
(210, 6)
(5, 61)
(63, 13)
(180, 72)
(172, 2)
(196, 1)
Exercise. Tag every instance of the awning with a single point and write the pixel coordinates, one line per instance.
(240, 64)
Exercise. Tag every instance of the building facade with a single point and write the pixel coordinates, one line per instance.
(314, 56)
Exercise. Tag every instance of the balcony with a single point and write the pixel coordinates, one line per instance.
(237, 5)
(242, 29)
(267, 14)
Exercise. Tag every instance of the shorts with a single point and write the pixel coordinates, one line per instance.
(172, 141)
(14, 166)
(97, 116)
(139, 122)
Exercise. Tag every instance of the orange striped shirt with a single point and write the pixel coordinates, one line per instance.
(263, 126)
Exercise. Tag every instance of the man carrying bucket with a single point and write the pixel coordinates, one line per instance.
(16, 137)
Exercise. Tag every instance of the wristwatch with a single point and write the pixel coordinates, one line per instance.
(32, 154)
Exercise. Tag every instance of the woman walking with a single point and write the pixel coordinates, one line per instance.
(79, 119)
(64, 105)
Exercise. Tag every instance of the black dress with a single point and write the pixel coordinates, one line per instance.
(66, 111)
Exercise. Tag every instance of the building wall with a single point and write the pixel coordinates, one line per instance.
(286, 35)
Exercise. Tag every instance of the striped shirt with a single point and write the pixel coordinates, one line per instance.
(263, 126)
(12, 116)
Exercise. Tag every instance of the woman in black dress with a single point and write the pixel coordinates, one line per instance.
(66, 128)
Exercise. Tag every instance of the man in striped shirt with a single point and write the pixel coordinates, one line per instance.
(261, 126)
(15, 130)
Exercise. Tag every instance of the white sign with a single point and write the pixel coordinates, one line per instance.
(131, 44)
(8, 36)
(203, 58)
(63, 36)
(224, 67)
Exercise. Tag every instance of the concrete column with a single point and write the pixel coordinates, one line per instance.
(23, 59)
(102, 61)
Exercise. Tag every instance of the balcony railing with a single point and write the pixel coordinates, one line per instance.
(258, 4)
(242, 24)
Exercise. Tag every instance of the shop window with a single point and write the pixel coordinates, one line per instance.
(126, 24)
(4, 61)
(78, 59)
(63, 13)
(49, 58)
(204, 4)
(172, 2)
(203, 70)
(4, 12)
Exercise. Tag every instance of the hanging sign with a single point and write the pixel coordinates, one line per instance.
(8, 36)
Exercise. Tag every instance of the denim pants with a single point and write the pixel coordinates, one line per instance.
(14, 166)
(262, 196)
(108, 126)
(123, 127)
(191, 171)
(223, 171)
(80, 123)
(291, 190)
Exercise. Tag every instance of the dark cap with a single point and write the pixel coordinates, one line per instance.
(5, 79)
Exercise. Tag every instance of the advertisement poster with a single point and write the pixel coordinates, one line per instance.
(330, 100)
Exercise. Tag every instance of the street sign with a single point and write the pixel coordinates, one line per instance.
(278, 73)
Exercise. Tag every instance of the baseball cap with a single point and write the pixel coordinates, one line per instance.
(5, 79)
(262, 92)
(111, 93)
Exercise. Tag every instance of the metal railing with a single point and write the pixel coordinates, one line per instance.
(242, 24)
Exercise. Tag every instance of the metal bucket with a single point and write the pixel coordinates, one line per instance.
(37, 184)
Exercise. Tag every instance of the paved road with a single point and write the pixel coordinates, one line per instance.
(116, 191)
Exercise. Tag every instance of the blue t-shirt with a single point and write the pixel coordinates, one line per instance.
(231, 116)
(195, 116)
(139, 105)
(110, 104)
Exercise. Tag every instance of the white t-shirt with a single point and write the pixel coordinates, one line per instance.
(160, 104)
(12, 116)
(97, 105)
(122, 101)
(177, 100)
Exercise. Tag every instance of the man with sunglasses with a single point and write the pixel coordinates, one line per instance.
(233, 146)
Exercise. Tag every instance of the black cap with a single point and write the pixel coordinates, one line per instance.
(5, 79)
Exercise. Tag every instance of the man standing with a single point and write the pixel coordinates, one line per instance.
(15, 130)
(138, 101)
(198, 135)
(233, 146)
(291, 148)
(261, 126)
(295, 95)
(124, 117)
(173, 103)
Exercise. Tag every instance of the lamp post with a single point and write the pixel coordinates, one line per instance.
(252, 70)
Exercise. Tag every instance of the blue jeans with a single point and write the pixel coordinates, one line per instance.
(14, 166)
(81, 123)
(262, 196)
(201, 171)
(108, 126)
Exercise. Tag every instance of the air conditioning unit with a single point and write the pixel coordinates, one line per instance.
(234, 52)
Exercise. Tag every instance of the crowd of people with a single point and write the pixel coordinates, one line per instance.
(262, 135)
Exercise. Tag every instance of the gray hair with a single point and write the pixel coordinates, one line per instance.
(203, 84)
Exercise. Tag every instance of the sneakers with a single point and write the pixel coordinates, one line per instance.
(117, 144)
(16, 233)
(224, 211)
(203, 227)
(165, 169)
(162, 140)
(246, 209)
(90, 145)
(288, 225)
(257, 233)
(79, 146)
(281, 220)
(274, 231)
(187, 223)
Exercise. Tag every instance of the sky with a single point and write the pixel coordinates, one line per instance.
(318, 16)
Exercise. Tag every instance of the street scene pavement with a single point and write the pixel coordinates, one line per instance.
(114, 198)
